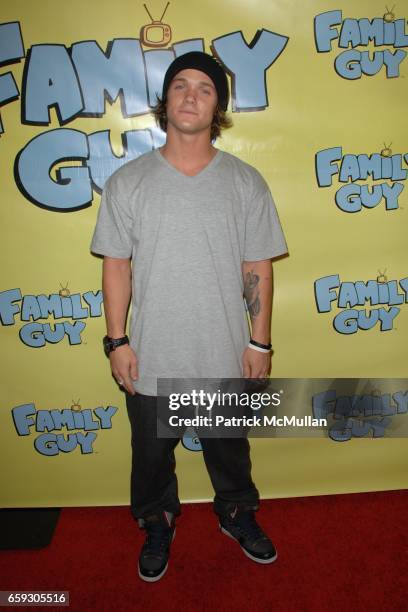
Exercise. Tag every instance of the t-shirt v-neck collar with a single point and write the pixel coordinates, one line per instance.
(211, 164)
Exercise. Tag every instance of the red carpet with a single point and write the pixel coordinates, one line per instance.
(343, 552)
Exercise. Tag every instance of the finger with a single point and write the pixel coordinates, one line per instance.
(134, 375)
(117, 377)
(120, 381)
(128, 385)
(260, 373)
(247, 370)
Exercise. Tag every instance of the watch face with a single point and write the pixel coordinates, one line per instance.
(110, 344)
(107, 346)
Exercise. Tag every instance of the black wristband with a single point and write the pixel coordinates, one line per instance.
(110, 344)
(267, 347)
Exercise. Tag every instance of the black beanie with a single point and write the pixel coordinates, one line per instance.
(204, 62)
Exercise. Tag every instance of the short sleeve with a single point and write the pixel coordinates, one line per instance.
(112, 235)
(264, 238)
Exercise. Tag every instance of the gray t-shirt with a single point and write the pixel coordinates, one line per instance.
(187, 237)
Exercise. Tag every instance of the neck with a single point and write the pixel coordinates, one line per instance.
(188, 151)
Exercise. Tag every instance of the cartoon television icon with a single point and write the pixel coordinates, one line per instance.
(76, 406)
(389, 16)
(64, 291)
(386, 151)
(382, 278)
(157, 33)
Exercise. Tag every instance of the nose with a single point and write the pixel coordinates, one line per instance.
(190, 95)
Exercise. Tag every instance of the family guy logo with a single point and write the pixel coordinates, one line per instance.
(50, 424)
(382, 293)
(78, 80)
(359, 416)
(351, 64)
(352, 197)
(32, 310)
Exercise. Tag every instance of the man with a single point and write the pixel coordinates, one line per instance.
(185, 231)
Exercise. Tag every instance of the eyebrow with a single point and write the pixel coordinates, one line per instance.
(176, 78)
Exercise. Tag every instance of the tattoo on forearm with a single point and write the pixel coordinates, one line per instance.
(251, 293)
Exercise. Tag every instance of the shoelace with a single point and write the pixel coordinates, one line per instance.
(245, 521)
(158, 537)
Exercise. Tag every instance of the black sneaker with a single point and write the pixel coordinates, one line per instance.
(154, 556)
(242, 526)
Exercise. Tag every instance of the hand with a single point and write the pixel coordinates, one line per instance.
(124, 367)
(255, 364)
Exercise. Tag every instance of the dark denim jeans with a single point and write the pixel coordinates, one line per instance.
(154, 481)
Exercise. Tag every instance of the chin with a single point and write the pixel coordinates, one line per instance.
(188, 127)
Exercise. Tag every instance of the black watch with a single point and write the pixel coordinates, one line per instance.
(110, 344)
